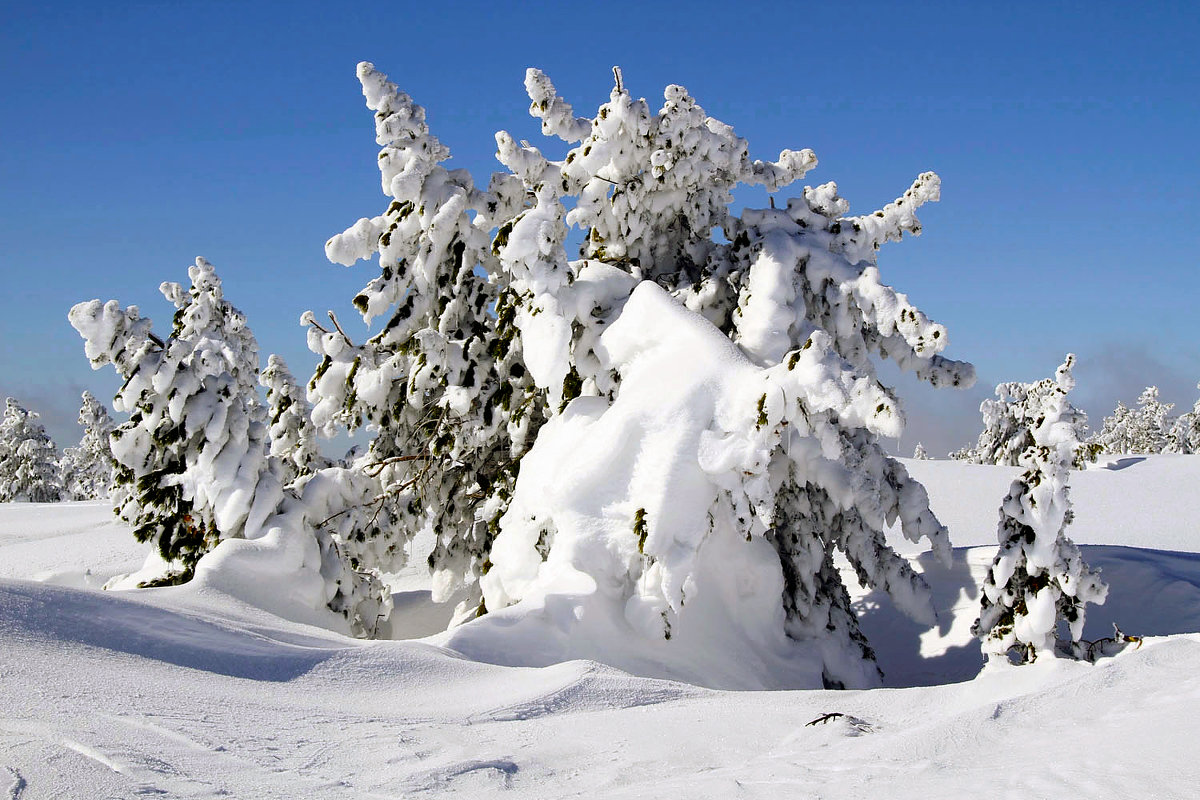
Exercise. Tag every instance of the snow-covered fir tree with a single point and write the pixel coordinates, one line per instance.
(965, 453)
(190, 398)
(456, 393)
(1009, 420)
(1038, 577)
(292, 434)
(1143, 429)
(442, 384)
(1184, 435)
(29, 469)
(919, 453)
(195, 450)
(88, 468)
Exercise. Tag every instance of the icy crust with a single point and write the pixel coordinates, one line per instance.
(639, 530)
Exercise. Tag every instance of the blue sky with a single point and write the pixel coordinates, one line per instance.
(136, 136)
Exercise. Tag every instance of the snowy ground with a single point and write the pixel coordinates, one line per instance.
(176, 693)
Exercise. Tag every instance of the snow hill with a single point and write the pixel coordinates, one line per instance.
(188, 692)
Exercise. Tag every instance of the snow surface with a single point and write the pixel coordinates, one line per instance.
(189, 693)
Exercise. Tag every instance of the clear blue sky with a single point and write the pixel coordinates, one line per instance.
(136, 136)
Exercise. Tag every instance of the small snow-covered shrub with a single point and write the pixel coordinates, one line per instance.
(703, 411)
(1038, 577)
(29, 470)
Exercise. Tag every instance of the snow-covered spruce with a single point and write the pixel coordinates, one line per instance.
(442, 384)
(641, 496)
(1143, 429)
(29, 470)
(1184, 436)
(88, 468)
(194, 454)
(292, 435)
(1009, 421)
(919, 453)
(1038, 577)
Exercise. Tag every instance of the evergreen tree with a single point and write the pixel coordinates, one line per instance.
(919, 453)
(28, 459)
(1009, 420)
(965, 453)
(789, 285)
(442, 384)
(1038, 576)
(456, 394)
(1138, 430)
(191, 399)
(292, 434)
(1184, 436)
(194, 452)
(88, 468)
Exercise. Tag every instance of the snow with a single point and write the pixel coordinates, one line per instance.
(1135, 500)
(186, 692)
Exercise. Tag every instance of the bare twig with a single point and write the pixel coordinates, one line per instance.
(333, 318)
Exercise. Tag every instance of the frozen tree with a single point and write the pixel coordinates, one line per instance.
(194, 452)
(292, 434)
(442, 385)
(919, 453)
(1038, 577)
(1009, 420)
(1136, 430)
(1184, 436)
(28, 458)
(965, 453)
(456, 392)
(88, 468)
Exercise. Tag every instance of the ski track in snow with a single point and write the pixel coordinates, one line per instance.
(161, 694)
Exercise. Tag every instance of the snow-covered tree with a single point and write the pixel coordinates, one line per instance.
(442, 385)
(965, 453)
(1038, 576)
(1136, 430)
(292, 434)
(88, 468)
(1184, 436)
(28, 458)
(190, 399)
(456, 393)
(194, 451)
(919, 453)
(1009, 420)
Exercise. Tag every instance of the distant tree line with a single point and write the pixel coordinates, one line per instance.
(1147, 428)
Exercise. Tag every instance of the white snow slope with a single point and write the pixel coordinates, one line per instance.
(181, 693)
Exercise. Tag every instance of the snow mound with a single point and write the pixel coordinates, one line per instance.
(687, 600)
